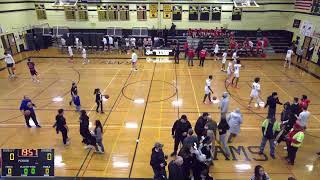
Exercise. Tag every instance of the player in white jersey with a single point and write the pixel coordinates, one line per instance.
(216, 51)
(224, 60)
(255, 91)
(105, 43)
(236, 74)
(229, 72)
(134, 59)
(288, 58)
(70, 51)
(235, 57)
(84, 56)
(76, 41)
(207, 90)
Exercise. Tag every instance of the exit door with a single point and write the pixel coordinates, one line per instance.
(9, 43)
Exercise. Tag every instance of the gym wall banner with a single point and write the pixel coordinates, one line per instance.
(153, 10)
(83, 12)
(216, 13)
(70, 13)
(193, 12)
(167, 11)
(306, 28)
(102, 12)
(177, 12)
(204, 13)
(40, 11)
(236, 13)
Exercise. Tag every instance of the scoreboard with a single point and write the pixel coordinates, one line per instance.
(27, 162)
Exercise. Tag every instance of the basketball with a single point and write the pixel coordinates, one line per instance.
(214, 98)
(27, 113)
(107, 96)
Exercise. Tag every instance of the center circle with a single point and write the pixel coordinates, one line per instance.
(164, 86)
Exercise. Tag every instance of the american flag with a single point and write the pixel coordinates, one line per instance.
(303, 4)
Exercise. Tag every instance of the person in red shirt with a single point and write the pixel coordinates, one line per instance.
(202, 54)
(33, 71)
(186, 48)
(190, 56)
(304, 102)
(265, 42)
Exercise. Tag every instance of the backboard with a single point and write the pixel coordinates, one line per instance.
(65, 3)
(245, 3)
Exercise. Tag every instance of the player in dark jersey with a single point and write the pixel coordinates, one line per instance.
(31, 65)
(73, 91)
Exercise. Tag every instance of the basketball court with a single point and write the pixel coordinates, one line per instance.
(141, 110)
(144, 104)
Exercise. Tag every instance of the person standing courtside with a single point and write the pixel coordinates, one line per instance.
(61, 126)
(176, 54)
(202, 55)
(27, 110)
(73, 91)
(158, 162)
(234, 120)
(299, 53)
(272, 102)
(294, 142)
(270, 129)
(179, 132)
(10, 64)
(199, 126)
(224, 104)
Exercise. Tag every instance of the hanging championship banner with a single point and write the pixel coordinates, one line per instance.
(306, 28)
(193, 12)
(83, 12)
(167, 11)
(236, 13)
(40, 11)
(153, 10)
(216, 13)
(177, 12)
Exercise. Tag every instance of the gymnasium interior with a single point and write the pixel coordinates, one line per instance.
(140, 107)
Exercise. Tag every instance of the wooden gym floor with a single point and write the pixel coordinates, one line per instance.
(130, 129)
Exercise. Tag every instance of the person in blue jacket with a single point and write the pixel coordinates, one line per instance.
(27, 110)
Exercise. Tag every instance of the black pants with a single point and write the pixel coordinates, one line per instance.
(201, 62)
(34, 118)
(299, 58)
(292, 151)
(177, 141)
(159, 174)
(271, 113)
(99, 104)
(64, 133)
(205, 97)
(85, 133)
(308, 56)
(176, 59)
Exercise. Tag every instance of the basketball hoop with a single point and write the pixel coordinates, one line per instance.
(65, 3)
(245, 3)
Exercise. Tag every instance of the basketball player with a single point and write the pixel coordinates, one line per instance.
(10, 64)
(76, 41)
(236, 73)
(229, 72)
(134, 58)
(70, 53)
(84, 56)
(288, 58)
(216, 51)
(208, 90)
(224, 60)
(27, 110)
(61, 126)
(33, 71)
(255, 92)
(73, 91)
(235, 57)
(105, 43)
(99, 99)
